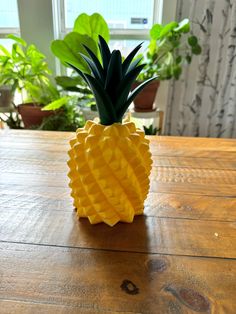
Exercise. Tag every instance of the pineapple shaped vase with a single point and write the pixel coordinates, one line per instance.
(109, 172)
(110, 162)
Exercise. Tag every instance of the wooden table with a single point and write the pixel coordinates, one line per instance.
(180, 257)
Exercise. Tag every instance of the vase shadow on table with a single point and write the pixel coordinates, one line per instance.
(127, 237)
(120, 264)
(127, 276)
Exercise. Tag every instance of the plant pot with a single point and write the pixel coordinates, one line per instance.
(145, 100)
(109, 172)
(32, 115)
(6, 97)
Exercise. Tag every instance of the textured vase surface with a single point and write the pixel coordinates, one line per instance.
(109, 172)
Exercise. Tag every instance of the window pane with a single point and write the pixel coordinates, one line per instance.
(126, 46)
(131, 14)
(7, 43)
(9, 14)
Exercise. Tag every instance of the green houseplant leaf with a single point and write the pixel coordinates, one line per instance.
(85, 33)
(26, 70)
(183, 26)
(66, 81)
(169, 50)
(155, 32)
(92, 26)
(68, 49)
(17, 39)
(57, 104)
(167, 29)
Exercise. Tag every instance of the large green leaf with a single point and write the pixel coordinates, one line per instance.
(17, 39)
(167, 29)
(183, 26)
(57, 104)
(68, 49)
(34, 54)
(156, 31)
(92, 25)
(4, 51)
(67, 81)
(152, 47)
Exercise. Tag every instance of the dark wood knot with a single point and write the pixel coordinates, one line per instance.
(129, 287)
(191, 298)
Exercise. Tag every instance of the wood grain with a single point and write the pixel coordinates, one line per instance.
(191, 207)
(108, 282)
(193, 162)
(157, 204)
(16, 162)
(168, 180)
(180, 257)
(145, 234)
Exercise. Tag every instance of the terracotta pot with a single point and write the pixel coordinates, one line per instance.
(6, 97)
(145, 100)
(32, 115)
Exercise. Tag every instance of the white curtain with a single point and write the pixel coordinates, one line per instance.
(203, 101)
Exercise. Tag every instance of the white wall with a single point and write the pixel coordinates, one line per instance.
(36, 25)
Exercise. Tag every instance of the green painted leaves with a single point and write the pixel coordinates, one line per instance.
(111, 81)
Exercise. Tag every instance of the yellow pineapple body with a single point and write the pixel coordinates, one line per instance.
(109, 172)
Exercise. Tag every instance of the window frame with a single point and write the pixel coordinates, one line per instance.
(4, 31)
(60, 30)
(116, 33)
(8, 30)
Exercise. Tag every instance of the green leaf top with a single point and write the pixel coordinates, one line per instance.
(111, 80)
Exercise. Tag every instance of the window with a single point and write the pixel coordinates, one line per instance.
(122, 14)
(129, 21)
(9, 21)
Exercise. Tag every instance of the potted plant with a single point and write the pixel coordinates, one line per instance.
(67, 115)
(110, 161)
(24, 68)
(171, 47)
(150, 130)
